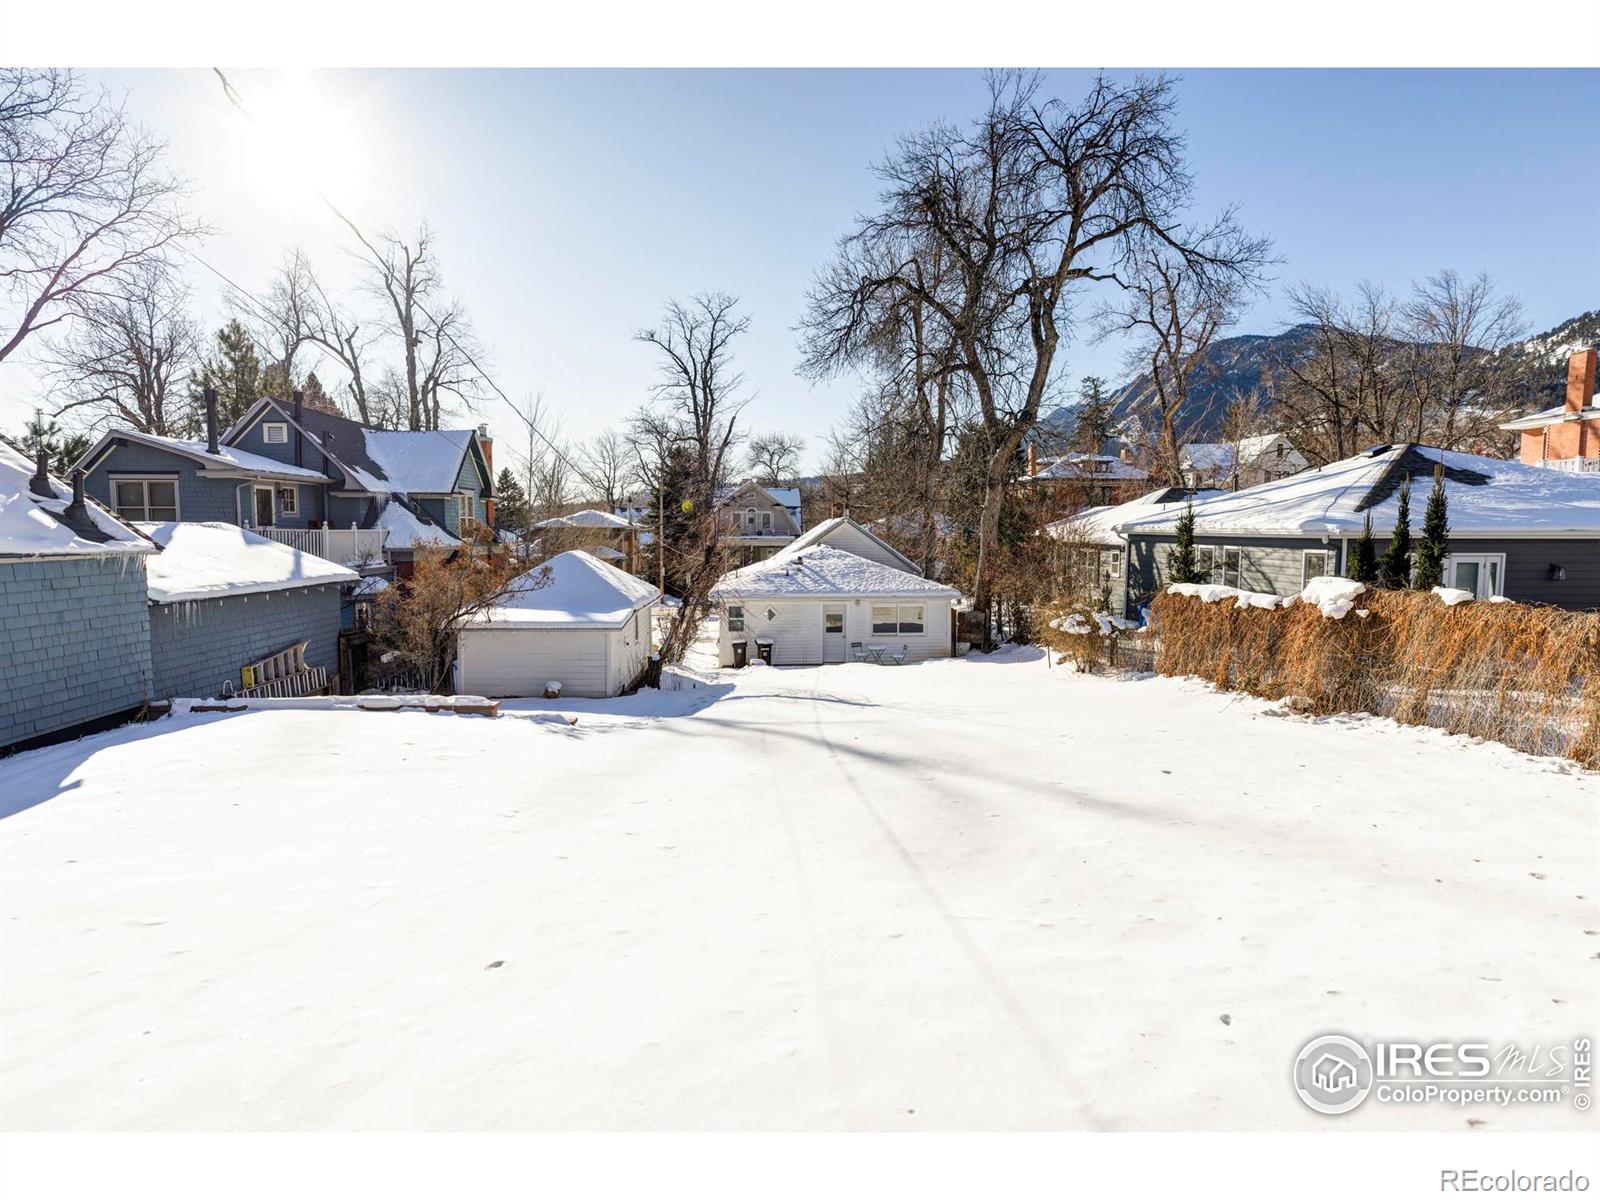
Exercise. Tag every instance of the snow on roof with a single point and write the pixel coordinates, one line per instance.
(574, 590)
(1099, 525)
(37, 526)
(1089, 466)
(1549, 416)
(226, 458)
(1220, 456)
(204, 560)
(594, 518)
(823, 571)
(818, 535)
(1487, 496)
(424, 462)
(407, 530)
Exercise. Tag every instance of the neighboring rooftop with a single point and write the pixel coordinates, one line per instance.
(819, 534)
(823, 572)
(588, 518)
(1487, 496)
(1089, 466)
(36, 525)
(226, 458)
(1221, 456)
(1099, 525)
(408, 530)
(574, 590)
(208, 560)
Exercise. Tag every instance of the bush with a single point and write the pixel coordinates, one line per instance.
(1526, 675)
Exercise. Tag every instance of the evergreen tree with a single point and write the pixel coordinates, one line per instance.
(1435, 542)
(234, 370)
(1394, 568)
(1364, 558)
(316, 396)
(511, 502)
(1181, 567)
(1093, 415)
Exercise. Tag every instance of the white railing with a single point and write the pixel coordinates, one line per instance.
(347, 546)
(1586, 466)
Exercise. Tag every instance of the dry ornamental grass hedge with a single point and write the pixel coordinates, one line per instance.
(1522, 674)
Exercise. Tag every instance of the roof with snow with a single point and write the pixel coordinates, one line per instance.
(226, 458)
(588, 518)
(1098, 525)
(818, 535)
(408, 529)
(210, 560)
(1554, 416)
(1221, 456)
(574, 590)
(1088, 466)
(39, 526)
(1487, 497)
(788, 498)
(822, 572)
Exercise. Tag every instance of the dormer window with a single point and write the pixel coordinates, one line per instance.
(274, 433)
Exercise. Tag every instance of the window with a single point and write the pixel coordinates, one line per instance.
(1232, 557)
(833, 621)
(735, 618)
(1315, 562)
(1481, 574)
(749, 518)
(1206, 564)
(1111, 564)
(766, 521)
(146, 499)
(274, 433)
(289, 501)
(263, 497)
(904, 618)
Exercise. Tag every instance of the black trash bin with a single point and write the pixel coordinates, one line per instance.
(764, 649)
(741, 653)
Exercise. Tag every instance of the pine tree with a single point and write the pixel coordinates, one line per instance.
(1394, 568)
(511, 502)
(316, 396)
(1181, 566)
(1364, 558)
(1435, 542)
(1093, 416)
(234, 370)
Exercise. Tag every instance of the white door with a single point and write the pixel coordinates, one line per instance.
(1480, 574)
(833, 635)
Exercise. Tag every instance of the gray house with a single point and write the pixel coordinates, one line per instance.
(74, 631)
(234, 612)
(317, 482)
(1515, 531)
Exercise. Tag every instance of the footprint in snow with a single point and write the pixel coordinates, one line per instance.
(499, 962)
(1226, 1019)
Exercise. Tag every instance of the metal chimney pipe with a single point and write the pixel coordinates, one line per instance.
(299, 438)
(77, 510)
(210, 395)
(39, 485)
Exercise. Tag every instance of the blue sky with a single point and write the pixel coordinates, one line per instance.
(568, 205)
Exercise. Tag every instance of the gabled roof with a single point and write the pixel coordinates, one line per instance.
(823, 572)
(1082, 466)
(226, 459)
(408, 528)
(1097, 526)
(588, 518)
(44, 526)
(574, 590)
(1220, 456)
(208, 560)
(785, 498)
(818, 536)
(1487, 497)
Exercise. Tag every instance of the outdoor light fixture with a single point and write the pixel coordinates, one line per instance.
(1557, 571)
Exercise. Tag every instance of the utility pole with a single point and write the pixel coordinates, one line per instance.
(661, 532)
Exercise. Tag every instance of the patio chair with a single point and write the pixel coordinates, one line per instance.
(898, 657)
(858, 652)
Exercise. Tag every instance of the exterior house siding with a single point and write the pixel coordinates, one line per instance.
(1266, 564)
(797, 637)
(199, 498)
(198, 645)
(519, 662)
(848, 537)
(74, 641)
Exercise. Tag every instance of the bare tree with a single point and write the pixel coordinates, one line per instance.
(130, 348)
(282, 320)
(609, 464)
(774, 458)
(86, 201)
(1037, 200)
(333, 328)
(1453, 328)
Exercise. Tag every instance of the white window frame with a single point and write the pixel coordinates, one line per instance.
(736, 619)
(288, 492)
(255, 490)
(899, 620)
(274, 433)
(1238, 566)
(1110, 564)
(1483, 561)
(1305, 564)
(144, 482)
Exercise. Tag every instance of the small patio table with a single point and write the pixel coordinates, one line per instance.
(875, 654)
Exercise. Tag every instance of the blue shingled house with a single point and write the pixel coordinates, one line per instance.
(312, 480)
(74, 625)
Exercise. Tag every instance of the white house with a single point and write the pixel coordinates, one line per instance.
(844, 534)
(813, 602)
(574, 620)
(1240, 464)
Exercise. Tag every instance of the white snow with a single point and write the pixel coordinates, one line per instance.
(224, 457)
(370, 586)
(204, 560)
(1213, 593)
(29, 525)
(974, 893)
(588, 518)
(1333, 594)
(1099, 525)
(408, 532)
(823, 571)
(574, 590)
(1454, 596)
(1101, 467)
(416, 462)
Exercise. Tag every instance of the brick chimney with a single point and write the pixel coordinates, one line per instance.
(1580, 379)
(299, 438)
(210, 395)
(1033, 459)
(487, 443)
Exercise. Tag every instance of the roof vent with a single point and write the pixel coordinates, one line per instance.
(39, 485)
(1377, 450)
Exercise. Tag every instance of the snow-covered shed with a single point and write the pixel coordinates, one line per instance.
(74, 634)
(573, 620)
(815, 601)
(223, 599)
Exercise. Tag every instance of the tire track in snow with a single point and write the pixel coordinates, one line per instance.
(1049, 1055)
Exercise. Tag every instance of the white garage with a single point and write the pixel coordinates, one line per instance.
(820, 604)
(575, 621)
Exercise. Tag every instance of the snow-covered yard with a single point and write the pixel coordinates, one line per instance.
(970, 894)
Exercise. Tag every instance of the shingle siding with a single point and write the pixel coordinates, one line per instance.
(74, 643)
(199, 499)
(197, 646)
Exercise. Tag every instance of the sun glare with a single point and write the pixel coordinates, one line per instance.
(309, 137)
